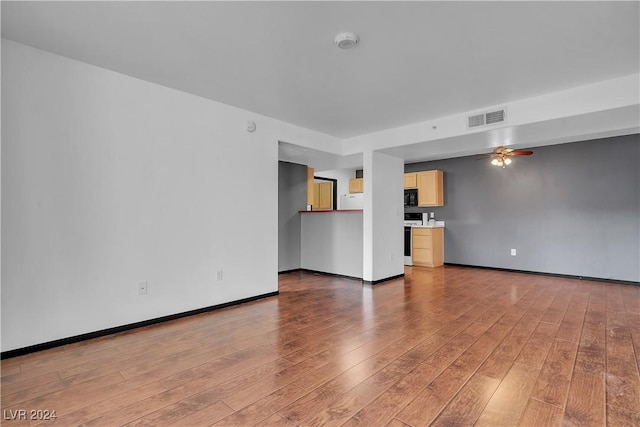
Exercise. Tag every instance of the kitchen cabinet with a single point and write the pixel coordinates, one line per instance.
(356, 185)
(410, 180)
(322, 196)
(430, 189)
(427, 246)
(310, 187)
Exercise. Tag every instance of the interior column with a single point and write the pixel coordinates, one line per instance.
(383, 238)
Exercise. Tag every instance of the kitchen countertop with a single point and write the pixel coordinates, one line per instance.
(332, 211)
(438, 224)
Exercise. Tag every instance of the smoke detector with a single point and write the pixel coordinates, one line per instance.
(346, 40)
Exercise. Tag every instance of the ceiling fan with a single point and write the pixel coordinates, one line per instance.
(501, 156)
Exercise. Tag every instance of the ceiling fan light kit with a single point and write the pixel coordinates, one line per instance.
(499, 161)
(501, 156)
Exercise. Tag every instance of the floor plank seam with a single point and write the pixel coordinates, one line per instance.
(548, 403)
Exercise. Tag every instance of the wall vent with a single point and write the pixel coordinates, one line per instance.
(485, 119)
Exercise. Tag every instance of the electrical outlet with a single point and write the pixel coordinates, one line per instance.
(219, 275)
(513, 252)
(432, 215)
(142, 288)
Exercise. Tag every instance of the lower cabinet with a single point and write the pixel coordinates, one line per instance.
(427, 246)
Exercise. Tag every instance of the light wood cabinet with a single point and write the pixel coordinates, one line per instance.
(430, 188)
(322, 196)
(356, 185)
(410, 180)
(310, 187)
(427, 246)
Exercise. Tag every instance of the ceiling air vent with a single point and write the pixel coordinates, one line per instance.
(486, 119)
(477, 120)
(494, 117)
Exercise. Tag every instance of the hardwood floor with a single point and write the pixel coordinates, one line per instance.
(450, 346)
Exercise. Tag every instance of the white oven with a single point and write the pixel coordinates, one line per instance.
(410, 219)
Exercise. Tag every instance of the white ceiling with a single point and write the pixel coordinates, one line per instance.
(416, 60)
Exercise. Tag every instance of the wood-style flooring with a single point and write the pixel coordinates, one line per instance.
(450, 346)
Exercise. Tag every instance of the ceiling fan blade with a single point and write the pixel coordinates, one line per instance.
(521, 153)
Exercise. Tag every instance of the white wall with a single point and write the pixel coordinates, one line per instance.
(383, 215)
(343, 176)
(109, 180)
(332, 242)
(606, 108)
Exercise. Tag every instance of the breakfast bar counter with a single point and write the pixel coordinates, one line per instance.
(331, 242)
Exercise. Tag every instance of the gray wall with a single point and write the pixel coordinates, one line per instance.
(292, 197)
(567, 209)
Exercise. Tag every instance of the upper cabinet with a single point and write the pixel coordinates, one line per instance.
(310, 187)
(410, 180)
(356, 185)
(430, 189)
(319, 194)
(322, 196)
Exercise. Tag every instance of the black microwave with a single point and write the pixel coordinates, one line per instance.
(411, 197)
